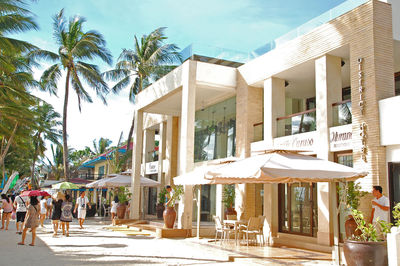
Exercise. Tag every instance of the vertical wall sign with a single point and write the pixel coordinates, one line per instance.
(361, 105)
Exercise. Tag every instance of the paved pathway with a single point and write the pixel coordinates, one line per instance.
(95, 245)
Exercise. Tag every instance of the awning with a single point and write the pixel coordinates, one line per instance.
(117, 180)
(280, 166)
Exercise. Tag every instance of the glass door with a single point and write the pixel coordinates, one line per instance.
(394, 185)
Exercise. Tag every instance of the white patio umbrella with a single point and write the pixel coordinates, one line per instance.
(126, 180)
(280, 166)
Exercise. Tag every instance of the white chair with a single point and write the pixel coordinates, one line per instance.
(220, 228)
(252, 228)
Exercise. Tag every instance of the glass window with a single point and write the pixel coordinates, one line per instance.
(397, 83)
(101, 171)
(298, 211)
(208, 203)
(215, 131)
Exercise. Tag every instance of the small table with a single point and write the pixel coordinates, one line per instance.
(236, 224)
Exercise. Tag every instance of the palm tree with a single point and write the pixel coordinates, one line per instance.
(149, 60)
(75, 47)
(101, 146)
(46, 129)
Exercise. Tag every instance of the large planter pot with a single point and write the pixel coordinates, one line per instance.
(160, 209)
(359, 253)
(121, 208)
(169, 217)
(230, 211)
(351, 227)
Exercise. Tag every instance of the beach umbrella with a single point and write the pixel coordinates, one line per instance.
(65, 185)
(30, 193)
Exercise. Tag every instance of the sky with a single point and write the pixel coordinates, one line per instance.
(241, 25)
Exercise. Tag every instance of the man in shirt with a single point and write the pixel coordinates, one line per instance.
(81, 203)
(380, 206)
(20, 203)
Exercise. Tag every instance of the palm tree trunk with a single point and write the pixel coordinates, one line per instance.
(35, 154)
(5, 151)
(130, 134)
(65, 145)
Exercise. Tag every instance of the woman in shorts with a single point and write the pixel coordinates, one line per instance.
(7, 210)
(43, 209)
(66, 214)
(32, 220)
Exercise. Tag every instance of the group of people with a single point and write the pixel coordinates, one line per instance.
(30, 213)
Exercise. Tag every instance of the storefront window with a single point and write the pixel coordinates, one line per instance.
(215, 131)
(298, 212)
(397, 83)
(208, 203)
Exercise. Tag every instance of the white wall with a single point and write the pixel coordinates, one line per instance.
(395, 16)
(393, 153)
(389, 110)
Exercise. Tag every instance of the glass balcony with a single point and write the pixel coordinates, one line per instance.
(215, 55)
(296, 123)
(309, 26)
(258, 132)
(341, 113)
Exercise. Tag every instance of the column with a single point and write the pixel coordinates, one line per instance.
(161, 155)
(328, 87)
(274, 107)
(136, 164)
(186, 147)
(220, 208)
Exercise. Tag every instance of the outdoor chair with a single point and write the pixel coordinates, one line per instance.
(220, 228)
(261, 220)
(252, 228)
(106, 210)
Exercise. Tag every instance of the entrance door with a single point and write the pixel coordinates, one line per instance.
(394, 185)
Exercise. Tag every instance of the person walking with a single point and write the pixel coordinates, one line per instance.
(32, 220)
(20, 203)
(66, 214)
(55, 217)
(80, 205)
(114, 205)
(49, 208)
(7, 207)
(43, 209)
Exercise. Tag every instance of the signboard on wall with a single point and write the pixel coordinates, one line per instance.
(303, 141)
(340, 138)
(152, 168)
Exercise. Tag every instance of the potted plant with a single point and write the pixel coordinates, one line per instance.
(350, 195)
(161, 203)
(169, 212)
(366, 248)
(123, 198)
(228, 198)
(393, 238)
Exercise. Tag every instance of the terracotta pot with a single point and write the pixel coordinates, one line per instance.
(169, 217)
(160, 209)
(351, 227)
(230, 211)
(121, 208)
(359, 253)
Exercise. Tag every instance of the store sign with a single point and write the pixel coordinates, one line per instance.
(303, 141)
(340, 138)
(361, 104)
(152, 168)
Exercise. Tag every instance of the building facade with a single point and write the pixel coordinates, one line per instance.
(324, 89)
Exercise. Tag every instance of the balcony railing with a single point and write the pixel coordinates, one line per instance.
(296, 123)
(341, 113)
(258, 132)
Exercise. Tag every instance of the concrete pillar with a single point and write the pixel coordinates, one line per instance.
(220, 208)
(271, 223)
(161, 154)
(328, 87)
(136, 164)
(274, 107)
(186, 147)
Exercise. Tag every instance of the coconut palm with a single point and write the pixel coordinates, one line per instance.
(47, 123)
(150, 59)
(101, 146)
(75, 47)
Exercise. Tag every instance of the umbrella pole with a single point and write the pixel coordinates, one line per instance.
(334, 208)
(198, 212)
